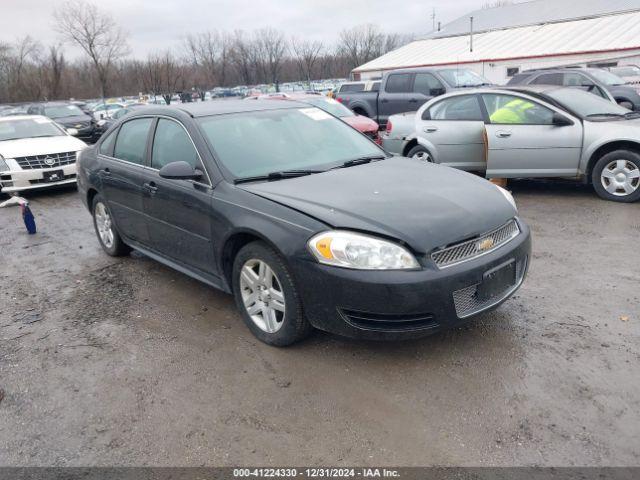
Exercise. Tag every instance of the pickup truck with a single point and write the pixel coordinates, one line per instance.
(407, 90)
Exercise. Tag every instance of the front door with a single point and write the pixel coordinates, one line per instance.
(524, 141)
(453, 128)
(123, 174)
(178, 211)
(396, 96)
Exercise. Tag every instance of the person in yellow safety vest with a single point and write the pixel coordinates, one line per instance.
(512, 112)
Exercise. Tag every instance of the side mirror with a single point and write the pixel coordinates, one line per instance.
(72, 131)
(102, 116)
(560, 120)
(436, 92)
(179, 171)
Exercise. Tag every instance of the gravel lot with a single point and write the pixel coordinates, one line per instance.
(125, 362)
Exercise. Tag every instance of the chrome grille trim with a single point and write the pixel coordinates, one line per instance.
(38, 161)
(466, 300)
(468, 250)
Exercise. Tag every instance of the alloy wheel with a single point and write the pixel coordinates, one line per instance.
(103, 223)
(423, 156)
(262, 295)
(620, 177)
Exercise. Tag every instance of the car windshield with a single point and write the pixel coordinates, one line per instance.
(60, 111)
(329, 105)
(257, 143)
(607, 78)
(28, 128)
(586, 104)
(462, 78)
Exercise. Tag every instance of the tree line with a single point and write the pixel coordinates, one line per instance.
(31, 71)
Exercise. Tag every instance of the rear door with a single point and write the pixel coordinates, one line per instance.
(455, 128)
(123, 174)
(396, 95)
(524, 142)
(178, 211)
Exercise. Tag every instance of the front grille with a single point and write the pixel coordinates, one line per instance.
(51, 160)
(466, 300)
(389, 322)
(467, 250)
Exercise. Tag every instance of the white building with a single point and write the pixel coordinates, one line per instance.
(522, 36)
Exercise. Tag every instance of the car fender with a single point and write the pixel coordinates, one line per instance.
(593, 147)
(364, 106)
(430, 146)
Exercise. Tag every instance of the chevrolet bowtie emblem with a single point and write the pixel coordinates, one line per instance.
(486, 244)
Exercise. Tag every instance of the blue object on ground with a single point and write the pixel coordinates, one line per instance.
(29, 221)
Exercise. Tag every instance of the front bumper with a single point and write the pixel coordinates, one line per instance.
(395, 304)
(29, 179)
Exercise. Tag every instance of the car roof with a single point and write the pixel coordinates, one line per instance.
(222, 107)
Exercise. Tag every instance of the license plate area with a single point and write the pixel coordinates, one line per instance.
(496, 281)
(53, 176)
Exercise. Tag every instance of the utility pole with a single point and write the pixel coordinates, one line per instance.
(471, 34)
(433, 18)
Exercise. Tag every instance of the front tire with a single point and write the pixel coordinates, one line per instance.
(616, 176)
(267, 297)
(108, 235)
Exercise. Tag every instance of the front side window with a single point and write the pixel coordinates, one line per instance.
(398, 83)
(257, 143)
(427, 84)
(106, 146)
(172, 144)
(512, 110)
(463, 107)
(132, 140)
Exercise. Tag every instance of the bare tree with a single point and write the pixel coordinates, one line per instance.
(273, 48)
(96, 33)
(55, 65)
(307, 53)
(240, 56)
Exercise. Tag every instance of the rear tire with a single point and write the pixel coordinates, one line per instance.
(420, 153)
(616, 176)
(267, 297)
(108, 235)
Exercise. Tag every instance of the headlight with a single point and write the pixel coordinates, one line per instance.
(363, 252)
(3, 165)
(508, 196)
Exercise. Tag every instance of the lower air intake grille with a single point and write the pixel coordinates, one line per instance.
(389, 322)
(466, 300)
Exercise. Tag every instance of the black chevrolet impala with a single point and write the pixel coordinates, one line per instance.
(303, 219)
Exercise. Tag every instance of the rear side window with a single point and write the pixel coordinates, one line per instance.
(106, 147)
(132, 140)
(577, 80)
(398, 83)
(375, 87)
(465, 107)
(172, 144)
(427, 84)
(548, 79)
(352, 87)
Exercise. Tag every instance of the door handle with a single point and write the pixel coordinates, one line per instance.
(430, 129)
(106, 171)
(150, 187)
(384, 100)
(413, 100)
(503, 134)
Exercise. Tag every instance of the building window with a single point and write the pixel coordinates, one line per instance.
(512, 71)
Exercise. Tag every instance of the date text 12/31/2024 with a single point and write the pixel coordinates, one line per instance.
(315, 473)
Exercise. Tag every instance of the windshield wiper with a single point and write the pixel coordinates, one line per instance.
(359, 161)
(277, 175)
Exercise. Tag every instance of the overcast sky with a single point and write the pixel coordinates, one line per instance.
(155, 25)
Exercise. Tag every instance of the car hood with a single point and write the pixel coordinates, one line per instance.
(361, 123)
(424, 205)
(26, 147)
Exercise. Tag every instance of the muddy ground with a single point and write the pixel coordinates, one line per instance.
(125, 362)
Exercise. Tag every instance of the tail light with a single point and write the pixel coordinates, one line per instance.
(389, 126)
(339, 99)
